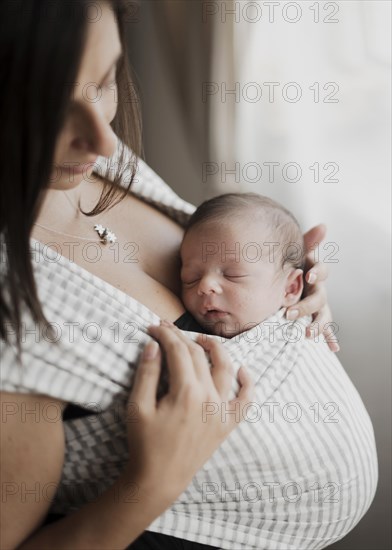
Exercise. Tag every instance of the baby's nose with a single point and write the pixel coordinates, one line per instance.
(209, 285)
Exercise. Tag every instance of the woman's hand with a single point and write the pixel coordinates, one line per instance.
(173, 438)
(315, 301)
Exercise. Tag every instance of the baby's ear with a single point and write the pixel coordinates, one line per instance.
(293, 288)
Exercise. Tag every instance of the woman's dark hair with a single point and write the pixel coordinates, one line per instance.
(41, 46)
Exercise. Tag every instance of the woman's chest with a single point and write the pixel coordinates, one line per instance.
(143, 263)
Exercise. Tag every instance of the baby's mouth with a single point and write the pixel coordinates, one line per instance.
(211, 313)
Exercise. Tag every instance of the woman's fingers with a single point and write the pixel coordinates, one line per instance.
(317, 273)
(220, 378)
(315, 301)
(178, 358)
(246, 391)
(145, 385)
(233, 411)
(333, 346)
(328, 328)
(329, 333)
(314, 236)
(216, 382)
(200, 362)
(308, 306)
(324, 328)
(222, 368)
(222, 375)
(314, 270)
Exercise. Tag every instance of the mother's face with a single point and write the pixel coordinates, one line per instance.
(86, 132)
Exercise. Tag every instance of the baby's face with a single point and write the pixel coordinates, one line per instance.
(229, 281)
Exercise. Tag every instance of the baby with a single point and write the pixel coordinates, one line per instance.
(283, 479)
(242, 260)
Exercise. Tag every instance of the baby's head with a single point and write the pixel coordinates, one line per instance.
(242, 260)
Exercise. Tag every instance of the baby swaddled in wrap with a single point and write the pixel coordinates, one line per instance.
(298, 472)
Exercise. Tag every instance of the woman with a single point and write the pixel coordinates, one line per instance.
(64, 104)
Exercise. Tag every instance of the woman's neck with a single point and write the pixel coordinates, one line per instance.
(61, 207)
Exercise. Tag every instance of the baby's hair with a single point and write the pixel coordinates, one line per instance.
(282, 225)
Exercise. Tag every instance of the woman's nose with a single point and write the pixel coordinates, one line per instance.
(209, 285)
(96, 135)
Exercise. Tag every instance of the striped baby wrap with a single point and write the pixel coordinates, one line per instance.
(298, 472)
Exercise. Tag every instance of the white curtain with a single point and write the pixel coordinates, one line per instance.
(345, 128)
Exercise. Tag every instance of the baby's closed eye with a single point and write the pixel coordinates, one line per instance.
(232, 276)
(187, 283)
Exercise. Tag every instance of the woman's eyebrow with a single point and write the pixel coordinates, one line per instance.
(114, 62)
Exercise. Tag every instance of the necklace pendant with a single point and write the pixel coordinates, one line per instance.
(105, 234)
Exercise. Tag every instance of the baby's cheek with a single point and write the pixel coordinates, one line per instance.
(184, 297)
(188, 299)
(249, 309)
(242, 310)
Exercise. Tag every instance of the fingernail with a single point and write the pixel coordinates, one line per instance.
(292, 314)
(150, 350)
(166, 323)
(312, 278)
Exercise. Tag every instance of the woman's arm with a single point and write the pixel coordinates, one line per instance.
(315, 302)
(32, 459)
(169, 442)
(32, 454)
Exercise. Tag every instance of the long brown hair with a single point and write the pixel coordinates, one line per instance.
(41, 45)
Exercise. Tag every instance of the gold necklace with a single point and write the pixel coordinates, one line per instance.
(105, 234)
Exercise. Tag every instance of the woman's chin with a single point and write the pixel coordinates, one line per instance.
(67, 182)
